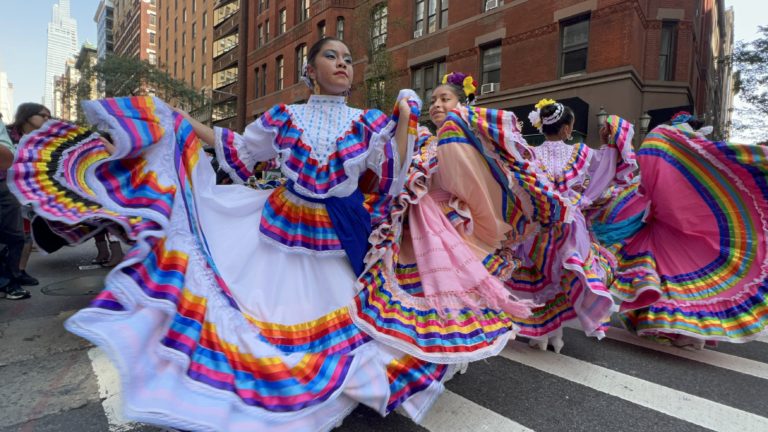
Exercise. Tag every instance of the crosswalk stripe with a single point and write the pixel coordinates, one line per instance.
(454, 413)
(684, 406)
(706, 356)
(109, 391)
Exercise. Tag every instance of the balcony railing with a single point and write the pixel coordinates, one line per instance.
(225, 93)
(227, 59)
(227, 27)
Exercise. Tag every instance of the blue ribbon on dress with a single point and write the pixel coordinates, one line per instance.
(612, 233)
(350, 220)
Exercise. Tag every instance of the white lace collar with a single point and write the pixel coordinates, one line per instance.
(327, 100)
(323, 120)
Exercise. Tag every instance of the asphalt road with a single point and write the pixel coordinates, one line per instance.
(55, 381)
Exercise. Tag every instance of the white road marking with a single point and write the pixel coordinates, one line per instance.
(681, 405)
(109, 390)
(453, 413)
(707, 356)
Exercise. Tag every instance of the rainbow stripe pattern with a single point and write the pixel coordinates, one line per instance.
(565, 283)
(708, 257)
(310, 174)
(384, 309)
(408, 376)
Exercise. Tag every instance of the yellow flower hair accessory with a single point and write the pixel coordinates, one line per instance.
(462, 81)
(545, 102)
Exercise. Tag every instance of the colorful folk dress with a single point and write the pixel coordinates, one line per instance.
(230, 312)
(694, 264)
(564, 269)
(472, 194)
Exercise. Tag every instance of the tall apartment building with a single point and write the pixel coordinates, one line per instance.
(61, 46)
(230, 20)
(6, 98)
(105, 22)
(65, 93)
(186, 40)
(135, 29)
(635, 58)
(281, 33)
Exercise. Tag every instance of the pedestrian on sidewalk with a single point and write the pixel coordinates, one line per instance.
(29, 116)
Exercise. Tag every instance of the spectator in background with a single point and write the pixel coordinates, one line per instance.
(29, 116)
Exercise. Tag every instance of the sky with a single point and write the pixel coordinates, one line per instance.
(23, 25)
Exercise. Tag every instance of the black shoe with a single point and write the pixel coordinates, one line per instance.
(25, 279)
(15, 292)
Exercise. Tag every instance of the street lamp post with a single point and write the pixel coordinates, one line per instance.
(645, 120)
(602, 116)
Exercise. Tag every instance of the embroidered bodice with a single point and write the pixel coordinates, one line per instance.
(322, 120)
(554, 156)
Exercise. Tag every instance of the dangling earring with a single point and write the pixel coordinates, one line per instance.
(316, 88)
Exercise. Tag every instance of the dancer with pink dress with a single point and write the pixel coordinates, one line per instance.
(437, 290)
(692, 263)
(564, 269)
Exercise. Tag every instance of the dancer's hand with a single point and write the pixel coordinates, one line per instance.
(605, 134)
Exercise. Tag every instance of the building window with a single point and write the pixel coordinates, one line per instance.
(266, 31)
(321, 29)
(183, 38)
(264, 79)
(204, 71)
(194, 51)
(256, 82)
(205, 45)
(225, 44)
(379, 27)
(431, 15)
(193, 79)
(260, 32)
(151, 38)
(184, 16)
(425, 78)
(491, 66)
(176, 24)
(574, 42)
(174, 69)
(194, 30)
(667, 51)
(167, 38)
(205, 19)
(281, 21)
(340, 28)
(152, 19)
(279, 73)
(152, 58)
(301, 60)
(302, 8)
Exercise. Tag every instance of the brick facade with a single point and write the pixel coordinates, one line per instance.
(622, 70)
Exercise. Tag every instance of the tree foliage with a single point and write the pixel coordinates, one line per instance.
(129, 76)
(751, 80)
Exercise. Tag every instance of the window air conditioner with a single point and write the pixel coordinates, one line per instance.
(491, 4)
(489, 88)
(418, 33)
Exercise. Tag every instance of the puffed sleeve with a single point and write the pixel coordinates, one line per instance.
(384, 159)
(614, 164)
(238, 154)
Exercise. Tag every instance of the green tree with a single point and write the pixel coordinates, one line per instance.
(128, 76)
(751, 83)
(751, 60)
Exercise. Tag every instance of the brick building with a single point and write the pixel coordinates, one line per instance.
(629, 56)
(135, 29)
(185, 34)
(280, 34)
